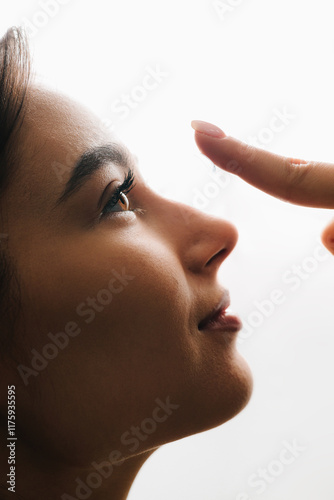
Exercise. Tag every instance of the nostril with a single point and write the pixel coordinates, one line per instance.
(218, 256)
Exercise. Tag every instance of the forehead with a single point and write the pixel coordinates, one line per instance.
(56, 130)
(56, 117)
(56, 126)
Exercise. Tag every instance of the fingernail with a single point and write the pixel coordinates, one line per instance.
(207, 129)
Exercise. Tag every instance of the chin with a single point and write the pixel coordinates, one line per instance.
(232, 394)
(217, 397)
(243, 385)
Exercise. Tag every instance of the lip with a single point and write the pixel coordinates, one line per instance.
(219, 319)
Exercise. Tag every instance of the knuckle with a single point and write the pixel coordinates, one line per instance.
(294, 178)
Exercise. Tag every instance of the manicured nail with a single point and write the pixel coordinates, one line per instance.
(207, 129)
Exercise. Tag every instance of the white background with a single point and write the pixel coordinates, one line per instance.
(236, 66)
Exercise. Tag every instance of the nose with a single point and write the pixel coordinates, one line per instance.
(202, 241)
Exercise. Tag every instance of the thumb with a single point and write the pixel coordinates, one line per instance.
(327, 237)
(296, 181)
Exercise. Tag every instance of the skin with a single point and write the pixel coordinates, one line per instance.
(145, 344)
(307, 183)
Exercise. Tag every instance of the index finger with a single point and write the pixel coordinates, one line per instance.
(301, 182)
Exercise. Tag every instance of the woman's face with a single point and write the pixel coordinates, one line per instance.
(111, 304)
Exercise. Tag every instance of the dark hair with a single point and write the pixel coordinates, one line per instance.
(15, 73)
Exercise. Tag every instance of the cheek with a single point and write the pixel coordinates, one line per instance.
(134, 343)
(129, 299)
(134, 280)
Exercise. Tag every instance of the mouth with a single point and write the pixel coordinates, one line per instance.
(221, 317)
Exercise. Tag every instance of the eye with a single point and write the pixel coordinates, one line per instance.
(119, 201)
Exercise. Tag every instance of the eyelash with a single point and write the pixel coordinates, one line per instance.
(123, 188)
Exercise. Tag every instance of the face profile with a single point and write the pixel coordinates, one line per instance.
(120, 342)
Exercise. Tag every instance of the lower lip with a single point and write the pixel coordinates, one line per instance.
(225, 322)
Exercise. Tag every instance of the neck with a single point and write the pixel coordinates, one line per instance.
(38, 477)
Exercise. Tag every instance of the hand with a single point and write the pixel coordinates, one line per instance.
(301, 182)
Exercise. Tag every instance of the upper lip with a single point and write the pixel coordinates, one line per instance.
(222, 305)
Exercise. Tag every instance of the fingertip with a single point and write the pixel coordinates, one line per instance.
(207, 128)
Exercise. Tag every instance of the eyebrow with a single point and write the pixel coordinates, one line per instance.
(90, 162)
